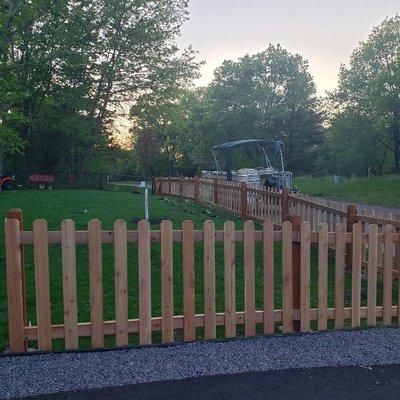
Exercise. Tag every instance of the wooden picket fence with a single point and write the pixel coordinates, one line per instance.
(296, 313)
(247, 202)
(264, 204)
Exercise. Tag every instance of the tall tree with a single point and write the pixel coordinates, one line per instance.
(268, 95)
(369, 90)
(68, 69)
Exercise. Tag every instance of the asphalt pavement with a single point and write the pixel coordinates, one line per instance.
(378, 382)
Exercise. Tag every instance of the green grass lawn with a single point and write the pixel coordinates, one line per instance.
(83, 205)
(380, 190)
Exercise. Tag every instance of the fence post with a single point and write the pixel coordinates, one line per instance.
(169, 186)
(243, 192)
(295, 220)
(215, 191)
(181, 186)
(18, 214)
(285, 204)
(196, 189)
(15, 285)
(352, 213)
(160, 189)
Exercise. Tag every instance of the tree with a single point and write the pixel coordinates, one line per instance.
(369, 93)
(69, 69)
(268, 95)
(161, 121)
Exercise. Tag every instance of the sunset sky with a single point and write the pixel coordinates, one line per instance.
(323, 31)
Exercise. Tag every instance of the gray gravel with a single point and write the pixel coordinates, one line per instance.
(50, 373)
(368, 207)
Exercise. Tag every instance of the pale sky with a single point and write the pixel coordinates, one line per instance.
(324, 32)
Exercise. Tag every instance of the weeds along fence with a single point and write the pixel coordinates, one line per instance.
(244, 282)
(264, 204)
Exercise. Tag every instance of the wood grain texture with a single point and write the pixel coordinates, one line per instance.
(249, 279)
(387, 275)
(14, 286)
(269, 282)
(188, 281)
(167, 288)
(96, 283)
(356, 277)
(121, 283)
(209, 280)
(287, 284)
(42, 284)
(372, 274)
(229, 279)
(340, 255)
(305, 277)
(144, 282)
(322, 276)
(69, 283)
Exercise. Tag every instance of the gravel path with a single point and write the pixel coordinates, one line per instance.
(49, 373)
(368, 207)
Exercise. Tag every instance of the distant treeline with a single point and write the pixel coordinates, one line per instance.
(69, 71)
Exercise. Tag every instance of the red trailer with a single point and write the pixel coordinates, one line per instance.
(41, 181)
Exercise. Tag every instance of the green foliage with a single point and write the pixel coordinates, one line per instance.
(366, 122)
(67, 69)
(268, 95)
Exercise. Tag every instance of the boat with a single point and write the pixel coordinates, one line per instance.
(270, 175)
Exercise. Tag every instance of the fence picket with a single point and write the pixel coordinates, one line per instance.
(42, 283)
(249, 279)
(305, 277)
(340, 248)
(269, 291)
(356, 277)
(366, 249)
(121, 283)
(229, 279)
(387, 275)
(372, 273)
(14, 285)
(209, 280)
(144, 282)
(96, 283)
(322, 276)
(188, 281)
(167, 292)
(69, 283)
(287, 279)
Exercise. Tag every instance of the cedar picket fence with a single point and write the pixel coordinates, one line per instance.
(296, 312)
(265, 204)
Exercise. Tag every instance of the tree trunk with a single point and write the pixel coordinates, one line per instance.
(396, 137)
(1, 158)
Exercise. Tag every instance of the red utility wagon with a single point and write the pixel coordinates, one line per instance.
(41, 181)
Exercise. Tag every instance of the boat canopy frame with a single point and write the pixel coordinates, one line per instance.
(229, 147)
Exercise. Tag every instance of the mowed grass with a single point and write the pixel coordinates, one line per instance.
(379, 190)
(84, 205)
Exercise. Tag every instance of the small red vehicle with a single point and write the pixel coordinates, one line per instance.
(7, 182)
(41, 181)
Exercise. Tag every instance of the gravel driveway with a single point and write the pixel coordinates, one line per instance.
(55, 372)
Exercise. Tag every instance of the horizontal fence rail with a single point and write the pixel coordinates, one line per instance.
(286, 280)
(265, 204)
